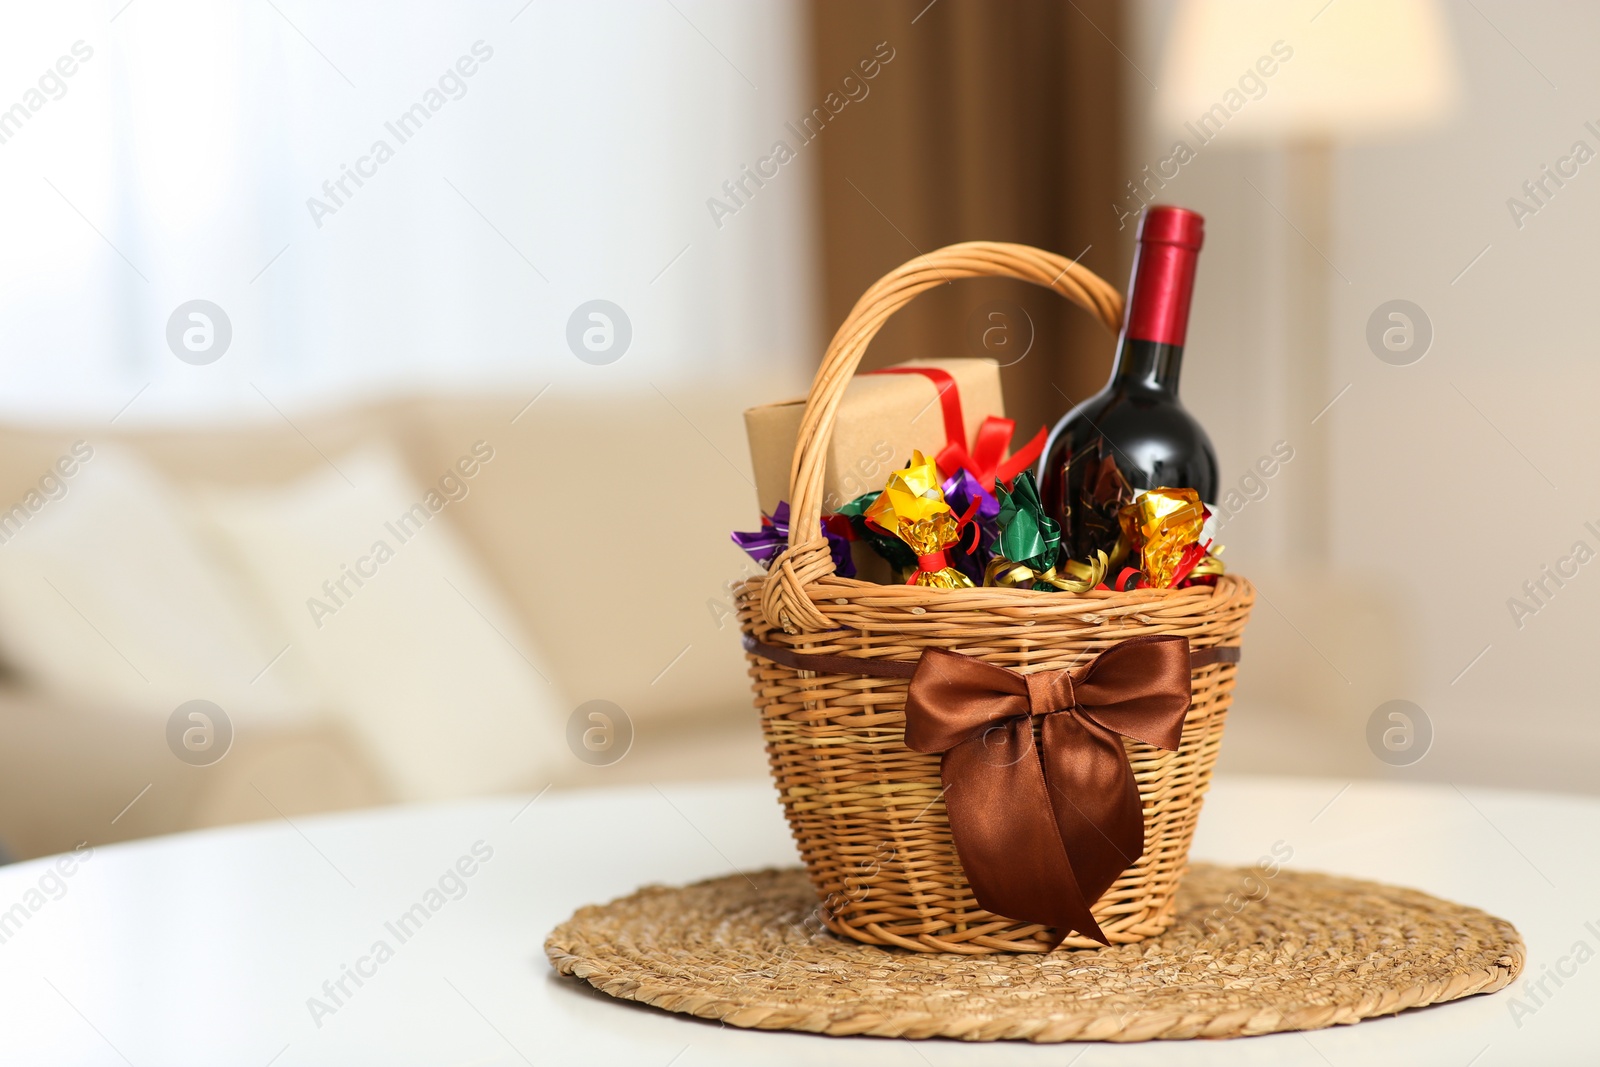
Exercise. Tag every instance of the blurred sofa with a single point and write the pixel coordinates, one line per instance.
(590, 562)
(592, 549)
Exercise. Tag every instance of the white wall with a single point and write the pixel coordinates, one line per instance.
(575, 163)
(1454, 479)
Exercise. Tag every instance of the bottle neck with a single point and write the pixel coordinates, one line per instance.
(1147, 365)
(1150, 351)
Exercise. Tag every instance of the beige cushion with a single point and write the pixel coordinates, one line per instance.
(109, 598)
(408, 639)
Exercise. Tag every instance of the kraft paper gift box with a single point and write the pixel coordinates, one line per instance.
(881, 420)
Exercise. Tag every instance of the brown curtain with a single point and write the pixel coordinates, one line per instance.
(992, 121)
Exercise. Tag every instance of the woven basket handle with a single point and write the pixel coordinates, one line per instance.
(785, 601)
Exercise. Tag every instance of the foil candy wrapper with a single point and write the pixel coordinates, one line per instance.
(1163, 526)
(913, 508)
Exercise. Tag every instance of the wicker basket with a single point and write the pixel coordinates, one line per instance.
(867, 811)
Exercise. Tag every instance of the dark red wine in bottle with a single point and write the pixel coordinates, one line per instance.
(1135, 426)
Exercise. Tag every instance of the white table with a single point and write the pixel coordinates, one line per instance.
(205, 948)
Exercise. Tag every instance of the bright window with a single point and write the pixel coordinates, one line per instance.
(383, 200)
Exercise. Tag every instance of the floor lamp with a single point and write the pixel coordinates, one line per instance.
(1301, 79)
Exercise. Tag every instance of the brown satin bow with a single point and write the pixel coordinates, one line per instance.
(1043, 831)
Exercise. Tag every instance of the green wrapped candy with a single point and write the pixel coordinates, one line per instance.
(896, 551)
(1027, 535)
(1029, 546)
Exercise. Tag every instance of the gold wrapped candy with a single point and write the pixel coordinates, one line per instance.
(1164, 526)
(913, 508)
(1073, 576)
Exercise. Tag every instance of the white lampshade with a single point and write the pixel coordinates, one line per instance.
(1355, 68)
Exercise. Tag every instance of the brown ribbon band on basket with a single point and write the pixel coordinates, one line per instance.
(905, 668)
(1042, 831)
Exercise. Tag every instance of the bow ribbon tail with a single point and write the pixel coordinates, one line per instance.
(1137, 689)
(1006, 833)
(1043, 832)
(995, 794)
(1095, 801)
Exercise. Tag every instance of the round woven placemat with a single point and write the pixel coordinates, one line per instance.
(1248, 954)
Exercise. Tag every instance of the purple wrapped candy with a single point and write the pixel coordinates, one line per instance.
(960, 490)
(763, 545)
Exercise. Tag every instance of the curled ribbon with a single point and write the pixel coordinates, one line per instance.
(987, 461)
(1042, 831)
(1073, 576)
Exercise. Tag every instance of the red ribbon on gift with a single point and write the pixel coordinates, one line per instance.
(987, 461)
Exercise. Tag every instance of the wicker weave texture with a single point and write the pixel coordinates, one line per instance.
(1304, 951)
(867, 812)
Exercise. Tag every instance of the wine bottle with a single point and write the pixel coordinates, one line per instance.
(1134, 434)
